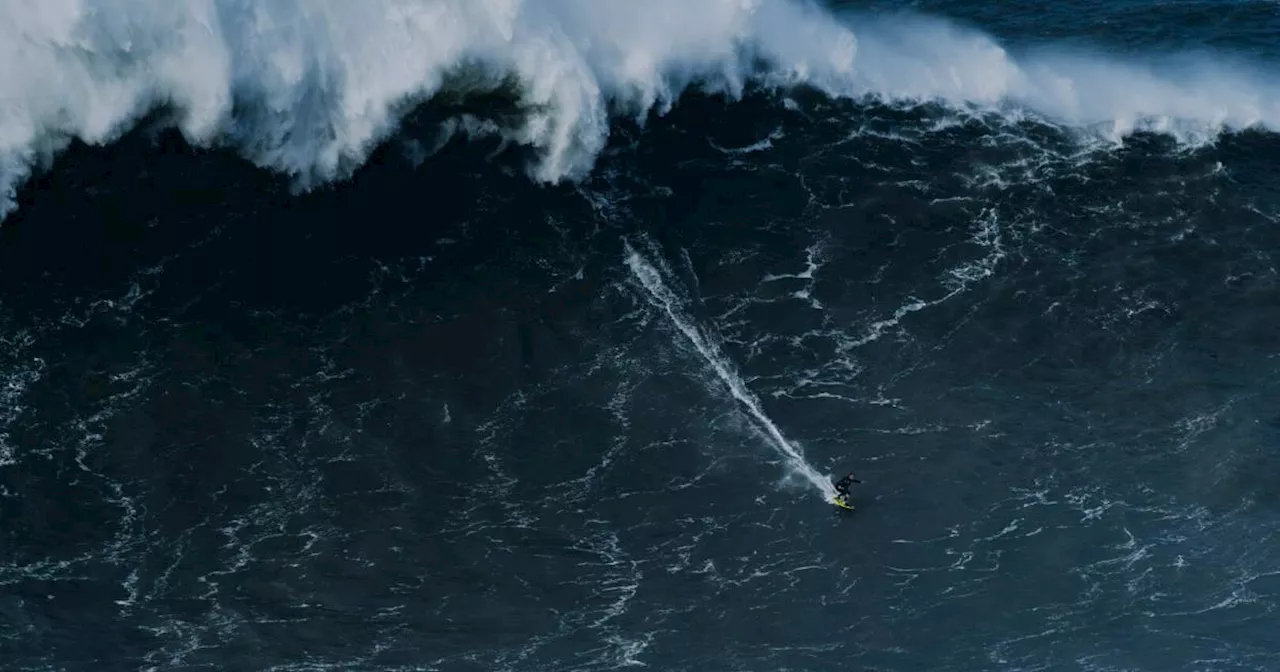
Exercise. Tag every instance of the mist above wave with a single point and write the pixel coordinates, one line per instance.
(309, 87)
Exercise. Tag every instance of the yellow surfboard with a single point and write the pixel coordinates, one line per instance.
(841, 503)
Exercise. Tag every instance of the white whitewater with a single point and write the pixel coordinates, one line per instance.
(662, 296)
(309, 88)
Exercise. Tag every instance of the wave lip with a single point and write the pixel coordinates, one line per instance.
(309, 87)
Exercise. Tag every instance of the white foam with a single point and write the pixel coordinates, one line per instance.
(650, 277)
(309, 87)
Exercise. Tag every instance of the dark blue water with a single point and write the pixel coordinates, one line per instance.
(442, 416)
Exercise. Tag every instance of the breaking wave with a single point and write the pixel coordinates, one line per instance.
(309, 88)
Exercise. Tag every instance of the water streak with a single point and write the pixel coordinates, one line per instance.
(662, 296)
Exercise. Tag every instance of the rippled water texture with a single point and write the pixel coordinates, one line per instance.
(316, 358)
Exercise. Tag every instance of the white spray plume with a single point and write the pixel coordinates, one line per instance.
(309, 87)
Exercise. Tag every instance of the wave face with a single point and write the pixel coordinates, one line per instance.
(309, 88)
(442, 416)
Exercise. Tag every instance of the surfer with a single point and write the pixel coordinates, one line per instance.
(842, 486)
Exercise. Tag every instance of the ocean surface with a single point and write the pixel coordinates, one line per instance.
(529, 335)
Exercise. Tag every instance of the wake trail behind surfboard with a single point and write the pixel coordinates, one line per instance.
(662, 296)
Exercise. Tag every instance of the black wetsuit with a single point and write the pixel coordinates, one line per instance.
(842, 485)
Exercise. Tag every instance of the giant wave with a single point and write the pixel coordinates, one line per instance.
(309, 88)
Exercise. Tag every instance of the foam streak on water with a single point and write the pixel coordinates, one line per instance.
(650, 277)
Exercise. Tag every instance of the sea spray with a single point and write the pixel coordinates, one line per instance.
(310, 88)
(660, 294)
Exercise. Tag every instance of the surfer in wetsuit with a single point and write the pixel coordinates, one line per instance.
(842, 486)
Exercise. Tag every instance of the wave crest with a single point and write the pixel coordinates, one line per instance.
(309, 87)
